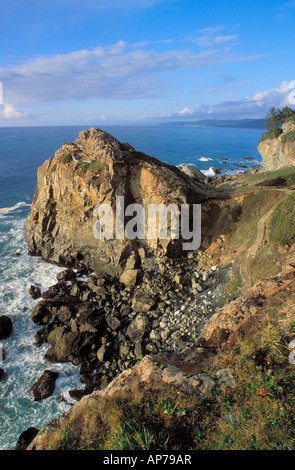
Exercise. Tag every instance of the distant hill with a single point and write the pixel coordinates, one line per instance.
(235, 124)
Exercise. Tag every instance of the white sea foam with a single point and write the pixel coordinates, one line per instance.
(7, 210)
(205, 159)
(209, 172)
(23, 361)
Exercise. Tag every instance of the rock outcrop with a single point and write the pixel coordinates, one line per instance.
(94, 170)
(279, 152)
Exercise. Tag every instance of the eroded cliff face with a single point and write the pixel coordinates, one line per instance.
(279, 152)
(94, 170)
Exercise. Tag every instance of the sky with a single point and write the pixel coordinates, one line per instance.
(117, 62)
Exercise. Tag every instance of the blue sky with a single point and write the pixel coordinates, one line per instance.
(90, 62)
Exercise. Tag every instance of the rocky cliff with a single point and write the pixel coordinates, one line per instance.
(280, 151)
(182, 328)
(94, 170)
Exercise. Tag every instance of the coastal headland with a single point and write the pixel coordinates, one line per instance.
(165, 338)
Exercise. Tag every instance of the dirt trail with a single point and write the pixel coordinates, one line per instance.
(258, 243)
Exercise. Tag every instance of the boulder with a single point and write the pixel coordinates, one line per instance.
(5, 327)
(113, 322)
(193, 172)
(62, 341)
(45, 385)
(26, 438)
(66, 275)
(129, 277)
(35, 292)
(138, 328)
(142, 303)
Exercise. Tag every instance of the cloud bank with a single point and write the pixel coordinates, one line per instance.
(254, 107)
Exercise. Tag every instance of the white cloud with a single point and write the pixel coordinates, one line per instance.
(116, 71)
(214, 36)
(278, 97)
(255, 107)
(10, 112)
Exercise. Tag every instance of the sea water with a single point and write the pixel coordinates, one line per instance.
(22, 151)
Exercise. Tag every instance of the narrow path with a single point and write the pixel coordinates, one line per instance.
(260, 238)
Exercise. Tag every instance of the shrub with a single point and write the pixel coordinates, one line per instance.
(67, 158)
(271, 134)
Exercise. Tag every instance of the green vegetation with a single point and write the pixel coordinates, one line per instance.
(159, 420)
(67, 158)
(282, 228)
(275, 119)
(253, 180)
(271, 134)
(93, 166)
(267, 262)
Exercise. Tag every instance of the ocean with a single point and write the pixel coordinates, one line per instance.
(22, 151)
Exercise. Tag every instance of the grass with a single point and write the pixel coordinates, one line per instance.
(143, 421)
(282, 227)
(267, 262)
(251, 180)
(253, 207)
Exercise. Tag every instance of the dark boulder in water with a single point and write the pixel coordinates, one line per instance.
(45, 385)
(35, 292)
(5, 327)
(26, 438)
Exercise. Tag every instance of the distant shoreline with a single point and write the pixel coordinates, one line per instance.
(256, 124)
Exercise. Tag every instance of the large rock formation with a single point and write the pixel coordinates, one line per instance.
(279, 152)
(94, 170)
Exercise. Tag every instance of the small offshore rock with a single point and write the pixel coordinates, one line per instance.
(5, 327)
(26, 438)
(35, 292)
(45, 385)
